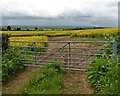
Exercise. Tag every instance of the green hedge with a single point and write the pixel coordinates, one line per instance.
(103, 76)
(103, 73)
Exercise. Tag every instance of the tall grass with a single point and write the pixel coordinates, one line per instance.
(46, 80)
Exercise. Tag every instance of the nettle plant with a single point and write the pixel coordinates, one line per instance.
(103, 75)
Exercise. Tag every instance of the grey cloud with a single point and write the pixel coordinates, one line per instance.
(113, 4)
(70, 16)
(78, 21)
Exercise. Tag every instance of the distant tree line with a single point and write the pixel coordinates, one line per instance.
(9, 28)
(81, 28)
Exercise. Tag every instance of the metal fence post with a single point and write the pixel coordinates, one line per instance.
(114, 50)
(69, 57)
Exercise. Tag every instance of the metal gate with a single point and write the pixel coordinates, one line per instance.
(72, 55)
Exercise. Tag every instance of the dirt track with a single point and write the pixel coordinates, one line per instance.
(13, 85)
(75, 82)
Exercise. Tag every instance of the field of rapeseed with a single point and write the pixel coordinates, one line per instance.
(38, 41)
(72, 33)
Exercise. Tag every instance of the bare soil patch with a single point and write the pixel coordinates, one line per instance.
(75, 82)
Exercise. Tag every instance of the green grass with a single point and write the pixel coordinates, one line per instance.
(46, 80)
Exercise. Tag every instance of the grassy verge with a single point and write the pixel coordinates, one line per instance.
(46, 80)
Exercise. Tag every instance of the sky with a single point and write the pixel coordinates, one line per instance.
(59, 12)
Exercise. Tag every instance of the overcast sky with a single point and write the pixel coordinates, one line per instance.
(59, 12)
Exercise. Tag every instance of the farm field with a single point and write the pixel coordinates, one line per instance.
(60, 47)
(28, 41)
(74, 82)
(72, 33)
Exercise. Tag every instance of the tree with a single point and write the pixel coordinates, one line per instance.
(18, 29)
(36, 28)
(8, 28)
